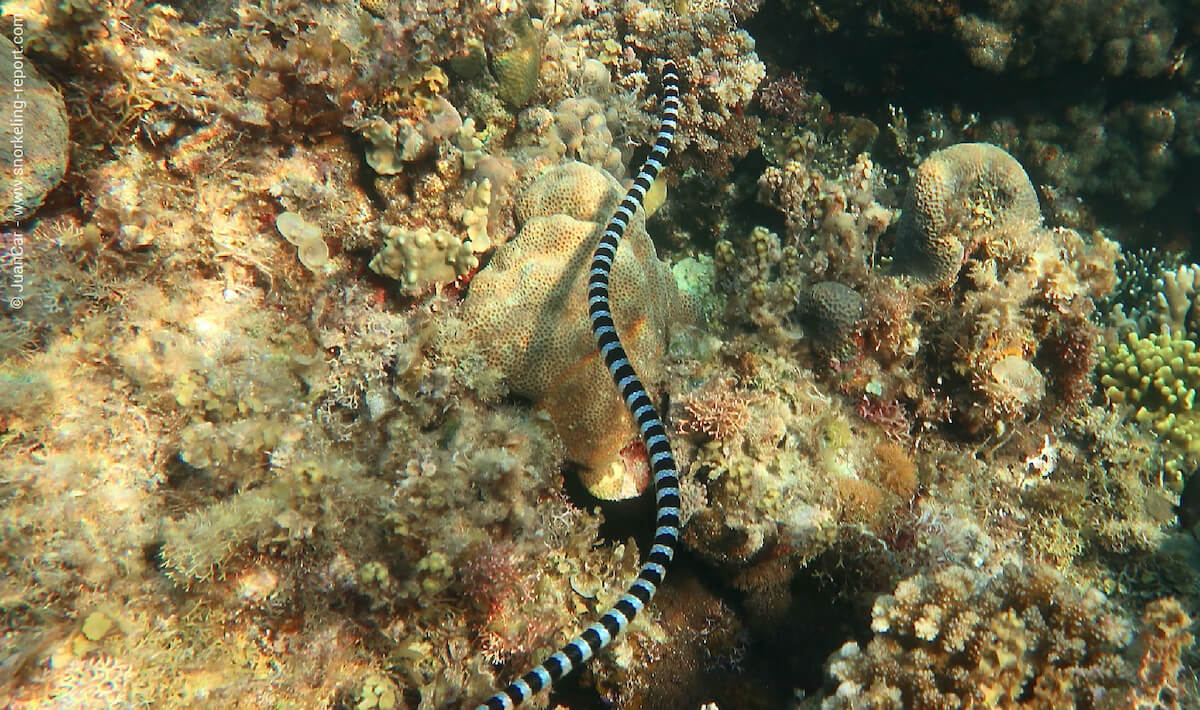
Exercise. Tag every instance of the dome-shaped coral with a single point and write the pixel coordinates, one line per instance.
(964, 197)
(527, 314)
(832, 312)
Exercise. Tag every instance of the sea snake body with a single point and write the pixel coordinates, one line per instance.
(662, 462)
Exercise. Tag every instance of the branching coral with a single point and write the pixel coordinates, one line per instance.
(764, 282)
(1158, 376)
(1148, 364)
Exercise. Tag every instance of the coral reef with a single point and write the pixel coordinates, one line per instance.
(1026, 292)
(716, 60)
(833, 215)
(255, 417)
(1024, 638)
(526, 314)
(1115, 38)
(980, 288)
(1102, 138)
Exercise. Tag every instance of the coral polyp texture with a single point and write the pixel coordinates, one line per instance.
(833, 312)
(526, 314)
(1157, 377)
(966, 197)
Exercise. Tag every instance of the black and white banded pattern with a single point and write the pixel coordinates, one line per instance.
(658, 448)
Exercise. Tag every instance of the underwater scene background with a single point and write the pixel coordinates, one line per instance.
(300, 406)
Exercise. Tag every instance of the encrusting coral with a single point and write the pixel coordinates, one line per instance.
(526, 314)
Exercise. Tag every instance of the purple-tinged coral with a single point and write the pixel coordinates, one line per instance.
(832, 313)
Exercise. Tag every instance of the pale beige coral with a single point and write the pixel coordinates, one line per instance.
(965, 197)
(311, 247)
(581, 133)
(1173, 309)
(476, 207)
(391, 144)
(527, 312)
(422, 258)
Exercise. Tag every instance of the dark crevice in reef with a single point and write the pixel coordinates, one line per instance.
(776, 639)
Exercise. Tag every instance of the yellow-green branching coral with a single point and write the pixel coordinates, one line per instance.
(1158, 376)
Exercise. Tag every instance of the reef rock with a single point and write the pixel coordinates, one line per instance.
(34, 158)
